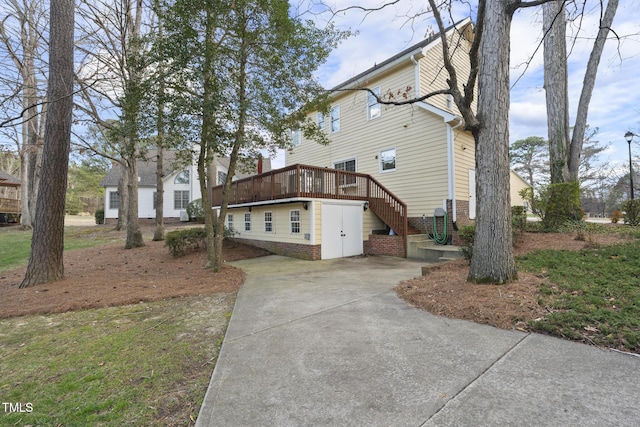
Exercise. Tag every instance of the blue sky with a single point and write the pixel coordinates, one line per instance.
(615, 106)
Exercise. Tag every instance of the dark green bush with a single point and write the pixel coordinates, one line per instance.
(189, 239)
(631, 210)
(467, 233)
(519, 218)
(99, 216)
(179, 241)
(555, 204)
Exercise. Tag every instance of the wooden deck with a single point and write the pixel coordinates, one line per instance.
(303, 181)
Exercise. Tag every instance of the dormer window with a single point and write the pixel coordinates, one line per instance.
(182, 178)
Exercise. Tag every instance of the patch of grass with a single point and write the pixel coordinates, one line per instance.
(15, 245)
(144, 364)
(593, 294)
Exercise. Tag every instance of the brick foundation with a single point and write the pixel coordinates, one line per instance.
(382, 244)
(293, 250)
(425, 224)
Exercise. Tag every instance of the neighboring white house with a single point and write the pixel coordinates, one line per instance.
(181, 186)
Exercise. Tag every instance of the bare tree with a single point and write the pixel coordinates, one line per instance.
(46, 260)
(565, 151)
(113, 81)
(21, 37)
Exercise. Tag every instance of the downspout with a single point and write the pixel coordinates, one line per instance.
(452, 171)
(416, 75)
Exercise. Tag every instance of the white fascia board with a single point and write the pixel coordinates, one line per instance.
(447, 117)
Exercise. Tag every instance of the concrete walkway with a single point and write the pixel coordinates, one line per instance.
(328, 343)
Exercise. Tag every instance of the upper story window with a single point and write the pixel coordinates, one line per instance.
(320, 120)
(335, 118)
(387, 160)
(295, 137)
(182, 178)
(373, 106)
(222, 177)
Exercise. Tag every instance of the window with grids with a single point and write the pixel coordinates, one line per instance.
(114, 200)
(222, 178)
(295, 137)
(320, 120)
(180, 199)
(247, 221)
(182, 178)
(268, 222)
(373, 106)
(346, 165)
(230, 221)
(335, 118)
(294, 220)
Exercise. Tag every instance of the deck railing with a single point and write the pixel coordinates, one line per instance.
(9, 206)
(303, 181)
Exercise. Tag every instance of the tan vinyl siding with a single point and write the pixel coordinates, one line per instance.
(517, 184)
(317, 210)
(370, 222)
(419, 137)
(433, 75)
(281, 227)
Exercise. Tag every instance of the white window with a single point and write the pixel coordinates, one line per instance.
(388, 160)
(114, 200)
(247, 221)
(182, 178)
(320, 120)
(373, 106)
(180, 199)
(295, 137)
(335, 118)
(268, 222)
(346, 165)
(230, 221)
(294, 220)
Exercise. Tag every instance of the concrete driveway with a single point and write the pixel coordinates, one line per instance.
(328, 343)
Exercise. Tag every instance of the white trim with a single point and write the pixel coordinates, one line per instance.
(446, 116)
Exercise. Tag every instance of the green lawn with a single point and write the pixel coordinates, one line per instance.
(141, 365)
(15, 245)
(593, 294)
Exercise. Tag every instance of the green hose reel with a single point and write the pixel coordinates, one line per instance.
(440, 239)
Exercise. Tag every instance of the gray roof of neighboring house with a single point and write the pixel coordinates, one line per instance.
(422, 44)
(147, 169)
(8, 180)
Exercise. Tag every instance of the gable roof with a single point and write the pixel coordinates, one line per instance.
(417, 50)
(8, 180)
(147, 169)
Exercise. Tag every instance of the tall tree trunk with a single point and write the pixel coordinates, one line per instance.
(134, 235)
(493, 259)
(123, 196)
(577, 138)
(158, 232)
(47, 245)
(557, 88)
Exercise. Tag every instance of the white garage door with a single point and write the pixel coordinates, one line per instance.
(341, 230)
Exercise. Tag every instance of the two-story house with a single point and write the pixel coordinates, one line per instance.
(388, 171)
